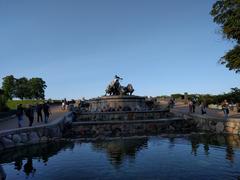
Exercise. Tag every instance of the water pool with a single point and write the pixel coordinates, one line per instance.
(175, 157)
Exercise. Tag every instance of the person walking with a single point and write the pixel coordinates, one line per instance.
(30, 114)
(171, 103)
(194, 102)
(19, 115)
(203, 108)
(46, 111)
(63, 105)
(225, 108)
(190, 106)
(39, 112)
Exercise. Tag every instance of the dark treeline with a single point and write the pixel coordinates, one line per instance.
(23, 88)
(233, 96)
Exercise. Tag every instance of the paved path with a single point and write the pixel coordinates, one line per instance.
(12, 123)
(218, 113)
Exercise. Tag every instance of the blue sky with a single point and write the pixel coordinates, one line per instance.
(77, 46)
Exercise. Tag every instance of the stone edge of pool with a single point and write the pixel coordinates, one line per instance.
(101, 129)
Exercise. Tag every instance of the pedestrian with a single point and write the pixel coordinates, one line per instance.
(19, 115)
(30, 114)
(39, 112)
(63, 105)
(46, 111)
(171, 103)
(203, 108)
(225, 108)
(190, 106)
(67, 104)
(194, 102)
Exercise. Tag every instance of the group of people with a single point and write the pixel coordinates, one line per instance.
(65, 104)
(192, 107)
(29, 112)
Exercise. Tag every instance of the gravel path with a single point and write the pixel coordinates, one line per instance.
(12, 123)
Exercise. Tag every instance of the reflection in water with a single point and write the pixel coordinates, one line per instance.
(117, 150)
(228, 141)
(42, 152)
(2, 173)
(28, 167)
(18, 164)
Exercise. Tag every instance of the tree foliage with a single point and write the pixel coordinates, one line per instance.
(37, 88)
(233, 96)
(226, 13)
(8, 86)
(24, 88)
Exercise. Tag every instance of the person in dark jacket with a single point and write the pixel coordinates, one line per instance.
(46, 111)
(19, 115)
(39, 108)
(30, 114)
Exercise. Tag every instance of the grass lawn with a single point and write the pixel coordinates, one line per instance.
(12, 104)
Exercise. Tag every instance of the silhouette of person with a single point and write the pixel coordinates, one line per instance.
(28, 167)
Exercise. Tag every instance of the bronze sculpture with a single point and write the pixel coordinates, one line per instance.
(115, 88)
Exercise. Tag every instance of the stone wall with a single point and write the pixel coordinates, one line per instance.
(106, 102)
(100, 125)
(102, 129)
(184, 123)
(33, 135)
(122, 115)
(213, 125)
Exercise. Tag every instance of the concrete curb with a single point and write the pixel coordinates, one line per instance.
(7, 118)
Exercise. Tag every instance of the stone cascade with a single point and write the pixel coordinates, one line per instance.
(131, 115)
(104, 129)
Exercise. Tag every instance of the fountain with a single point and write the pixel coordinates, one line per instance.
(118, 98)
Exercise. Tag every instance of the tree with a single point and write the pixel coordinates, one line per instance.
(37, 87)
(8, 86)
(226, 13)
(22, 88)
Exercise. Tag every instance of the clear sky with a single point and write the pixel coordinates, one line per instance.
(77, 46)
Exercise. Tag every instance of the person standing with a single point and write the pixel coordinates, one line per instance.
(46, 111)
(19, 115)
(225, 108)
(39, 112)
(30, 114)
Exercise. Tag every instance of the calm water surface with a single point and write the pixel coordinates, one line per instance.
(194, 157)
